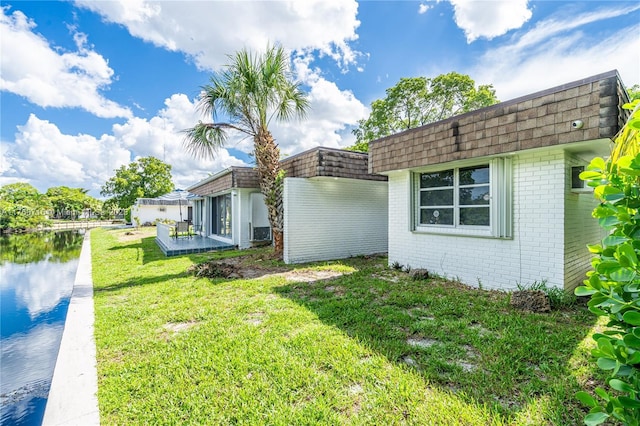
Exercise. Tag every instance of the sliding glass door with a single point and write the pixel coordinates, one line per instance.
(221, 216)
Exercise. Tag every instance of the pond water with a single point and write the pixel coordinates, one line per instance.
(37, 272)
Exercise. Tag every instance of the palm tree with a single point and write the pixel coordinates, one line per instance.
(251, 91)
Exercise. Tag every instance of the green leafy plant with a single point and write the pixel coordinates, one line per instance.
(614, 282)
(396, 266)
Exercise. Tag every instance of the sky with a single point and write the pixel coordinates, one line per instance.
(88, 86)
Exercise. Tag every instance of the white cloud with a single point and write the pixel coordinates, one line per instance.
(37, 292)
(490, 19)
(208, 31)
(557, 51)
(44, 156)
(31, 68)
(331, 114)
(423, 8)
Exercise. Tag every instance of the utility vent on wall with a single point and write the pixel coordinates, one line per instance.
(577, 184)
(262, 233)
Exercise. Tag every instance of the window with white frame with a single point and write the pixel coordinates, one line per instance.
(466, 200)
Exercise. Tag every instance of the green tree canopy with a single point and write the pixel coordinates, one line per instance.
(68, 203)
(252, 90)
(22, 207)
(146, 178)
(417, 101)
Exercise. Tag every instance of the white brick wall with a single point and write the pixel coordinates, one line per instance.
(580, 229)
(150, 213)
(333, 218)
(536, 252)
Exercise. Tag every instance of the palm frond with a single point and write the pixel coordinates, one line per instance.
(205, 139)
(250, 91)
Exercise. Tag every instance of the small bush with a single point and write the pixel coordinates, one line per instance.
(558, 298)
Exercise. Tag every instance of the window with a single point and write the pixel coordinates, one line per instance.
(465, 200)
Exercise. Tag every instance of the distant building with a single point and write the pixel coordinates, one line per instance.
(174, 206)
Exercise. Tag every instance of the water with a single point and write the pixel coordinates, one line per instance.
(37, 272)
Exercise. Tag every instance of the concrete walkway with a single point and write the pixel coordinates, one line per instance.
(73, 395)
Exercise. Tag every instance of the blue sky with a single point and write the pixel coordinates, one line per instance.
(88, 86)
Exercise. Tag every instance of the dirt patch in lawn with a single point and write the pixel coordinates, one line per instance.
(249, 267)
(235, 267)
(171, 329)
(312, 275)
(129, 236)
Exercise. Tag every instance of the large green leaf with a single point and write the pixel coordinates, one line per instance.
(631, 341)
(608, 222)
(634, 358)
(607, 363)
(584, 291)
(595, 248)
(609, 193)
(595, 419)
(629, 403)
(597, 163)
(608, 267)
(627, 251)
(586, 399)
(634, 123)
(632, 317)
(591, 175)
(621, 386)
(622, 275)
(614, 240)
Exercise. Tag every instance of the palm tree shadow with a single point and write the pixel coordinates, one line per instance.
(146, 251)
(137, 282)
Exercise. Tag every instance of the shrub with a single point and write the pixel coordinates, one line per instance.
(614, 283)
(558, 298)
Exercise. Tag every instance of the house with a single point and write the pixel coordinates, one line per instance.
(174, 206)
(333, 207)
(229, 207)
(492, 197)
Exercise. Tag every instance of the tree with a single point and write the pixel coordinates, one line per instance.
(251, 91)
(69, 203)
(146, 178)
(417, 101)
(22, 207)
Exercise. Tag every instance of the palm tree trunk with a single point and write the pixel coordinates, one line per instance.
(271, 183)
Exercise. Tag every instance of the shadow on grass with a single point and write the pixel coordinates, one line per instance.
(137, 282)
(146, 251)
(467, 341)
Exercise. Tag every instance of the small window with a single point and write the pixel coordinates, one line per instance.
(456, 197)
(473, 200)
(576, 182)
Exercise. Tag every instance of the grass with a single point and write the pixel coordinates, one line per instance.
(369, 347)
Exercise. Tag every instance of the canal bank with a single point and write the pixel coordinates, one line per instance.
(73, 394)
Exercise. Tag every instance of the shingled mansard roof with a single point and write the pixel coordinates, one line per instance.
(316, 162)
(232, 177)
(329, 162)
(539, 120)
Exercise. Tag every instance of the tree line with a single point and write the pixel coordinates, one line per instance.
(23, 207)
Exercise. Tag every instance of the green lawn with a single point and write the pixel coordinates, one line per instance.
(368, 347)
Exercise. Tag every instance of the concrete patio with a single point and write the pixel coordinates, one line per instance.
(172, 246)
